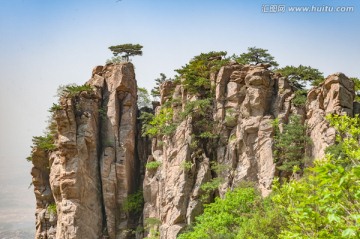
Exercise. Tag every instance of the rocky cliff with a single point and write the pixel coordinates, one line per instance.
(84, 182)
(95, 165)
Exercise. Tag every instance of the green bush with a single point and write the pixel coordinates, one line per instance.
(159, 124)
(222, 218)
(103, 112)
(264, 222)
(325, 202)
(208, 135)
(300, 98)
(54, 108)
(232, 138)
(198, 107)
(72, 89)
(186, 165)
(210, 187)
(115, 60)
(356, 88)
(51, 208)
(152, 225)
(134, 202)
(219, 168)
(289, 145)
(45, 143)
(153, 165)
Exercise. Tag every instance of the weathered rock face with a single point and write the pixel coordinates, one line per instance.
(100, 155)
(334, 96)
(244, 99)
(247, 99)
(94, 168)
(45, 219)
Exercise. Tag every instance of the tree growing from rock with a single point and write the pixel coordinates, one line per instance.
(289, 145)
(255, 56)
(196, 73)
(143, 98)
(301, 75)
(127, 50)
(155, 92)
(357, 88)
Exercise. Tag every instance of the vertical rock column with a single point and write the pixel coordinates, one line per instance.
(118, 132)
(45, 221)
(244, 110)
(172, 191)
(74, 175)
(334, 96)
(95, 165)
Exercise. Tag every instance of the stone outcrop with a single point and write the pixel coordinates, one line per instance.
(247, 99)
(334, 96)
(45, 219)
(95, 166)
(244, 107)
(100, 157)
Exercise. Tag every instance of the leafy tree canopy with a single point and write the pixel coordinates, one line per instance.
(323, 204)
(357, 87)
(255, 56)
(300, 75)
(127, 50)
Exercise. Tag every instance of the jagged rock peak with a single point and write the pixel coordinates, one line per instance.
(94, 167)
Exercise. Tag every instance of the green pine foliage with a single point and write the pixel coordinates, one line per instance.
(289, 145)
(255, 56)
(198, 107)
(301, 75)
(45, 142)
(300, 98)
(155, 92)
(54, 108)
(72, 90)
(126, 50)
(196, 74)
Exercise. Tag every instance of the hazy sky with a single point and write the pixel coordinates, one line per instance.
(44, 44)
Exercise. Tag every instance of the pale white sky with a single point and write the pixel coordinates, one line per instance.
(44, 44)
